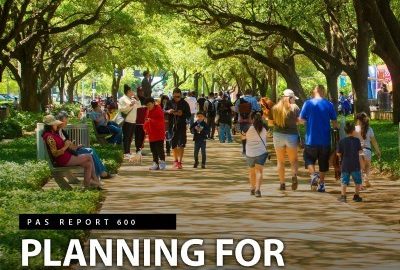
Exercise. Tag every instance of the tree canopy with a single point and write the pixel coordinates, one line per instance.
(202, 45)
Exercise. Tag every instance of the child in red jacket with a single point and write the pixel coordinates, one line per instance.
(154, 126)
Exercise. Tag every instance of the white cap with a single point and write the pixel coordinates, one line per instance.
(289, 93)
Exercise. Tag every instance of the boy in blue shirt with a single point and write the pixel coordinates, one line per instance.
(348, 151)
(200, 131)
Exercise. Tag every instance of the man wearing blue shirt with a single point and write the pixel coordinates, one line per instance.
(317, 113)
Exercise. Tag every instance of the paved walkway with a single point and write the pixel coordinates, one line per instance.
(317, 230)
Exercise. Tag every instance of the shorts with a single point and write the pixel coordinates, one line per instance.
(313, 153)
(282, 140)
(244, 127)
(367, 153)
(260, 160)
(179, 138)
(356, 175)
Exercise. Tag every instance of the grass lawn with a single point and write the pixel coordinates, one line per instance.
(21, 181)
(387, 135)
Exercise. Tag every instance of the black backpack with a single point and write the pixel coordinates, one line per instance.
(211, 109)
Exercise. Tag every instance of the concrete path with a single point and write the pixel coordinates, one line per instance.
(318, 231)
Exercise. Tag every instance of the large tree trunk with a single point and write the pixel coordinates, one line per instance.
(293, 82)
(70, 92)
(332, 85)
(386, 28)
(395, 74)
(359, 78)
(292, 79)
(254, 86)
(29, 86)
(61, 87)
(263, 87)
(196, 79)
(272, 83)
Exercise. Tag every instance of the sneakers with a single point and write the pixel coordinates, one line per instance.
(127, 156)
(283, 186)
(321, 187)
(314, 181)
(195, 165)
(155, 167)
(252, 192)
(342, 198)
(162, 165)
(357, 198)
(257, 193)
(203, 166)
(294, 183)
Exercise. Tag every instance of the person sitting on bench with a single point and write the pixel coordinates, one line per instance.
(79, 149)
(63, 157)
(104, 126)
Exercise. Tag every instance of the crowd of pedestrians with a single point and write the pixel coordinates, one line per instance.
(167, 121)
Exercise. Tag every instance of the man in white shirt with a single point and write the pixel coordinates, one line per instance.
(192, 101)
(128, 105)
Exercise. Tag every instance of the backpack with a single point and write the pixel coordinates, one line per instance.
(244, 108)
(211, 112)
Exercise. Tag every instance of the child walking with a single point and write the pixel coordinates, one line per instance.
(200, 131)
(348, 151)
(367, 138)
(154, 127)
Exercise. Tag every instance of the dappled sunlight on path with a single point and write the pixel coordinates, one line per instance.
(318, 232)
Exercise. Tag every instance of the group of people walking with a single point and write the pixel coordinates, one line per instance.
(318, 114)
(166, 123)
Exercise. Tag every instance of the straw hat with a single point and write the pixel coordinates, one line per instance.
(50, 120)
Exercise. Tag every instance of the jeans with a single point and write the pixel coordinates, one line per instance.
(128, 129)
(116, 132)
(139, 137)
(157, 149)
(225, 132)
(98, 165)
(197, 146)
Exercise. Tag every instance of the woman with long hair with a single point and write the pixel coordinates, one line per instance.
(367, 138)
(256, 152)
(284, 117)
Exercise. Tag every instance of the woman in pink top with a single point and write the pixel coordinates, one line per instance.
(59, 149)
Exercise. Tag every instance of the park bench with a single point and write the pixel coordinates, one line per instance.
(101, 138)
(63, 176)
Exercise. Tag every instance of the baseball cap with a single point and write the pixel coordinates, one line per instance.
(289, 93)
